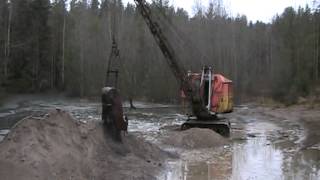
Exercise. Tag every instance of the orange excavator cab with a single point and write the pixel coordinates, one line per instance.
(215, 90)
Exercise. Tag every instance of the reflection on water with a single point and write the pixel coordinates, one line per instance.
(257, 158)
(304, 165)
(254, 159)
(207, 170)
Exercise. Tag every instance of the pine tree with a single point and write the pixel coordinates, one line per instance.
(41, 44)
(5, 16)
(94, 6)
(20, 77)
(57, 21)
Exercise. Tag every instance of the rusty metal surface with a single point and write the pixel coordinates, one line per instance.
(113, 66)
(112, 112)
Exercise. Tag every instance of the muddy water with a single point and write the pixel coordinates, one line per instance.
(257, 157)
(251, 157)
(261, 147)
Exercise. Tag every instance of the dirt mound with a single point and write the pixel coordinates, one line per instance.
(195, 138)
(59, 147)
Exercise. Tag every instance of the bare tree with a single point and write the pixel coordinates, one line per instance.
(63, 50)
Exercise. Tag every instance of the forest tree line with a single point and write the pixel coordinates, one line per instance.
(51, 45)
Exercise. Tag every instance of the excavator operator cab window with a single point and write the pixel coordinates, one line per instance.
(206, 86)
(205, 95)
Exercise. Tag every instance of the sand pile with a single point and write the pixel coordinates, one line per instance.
(59, 147)
(195, 138)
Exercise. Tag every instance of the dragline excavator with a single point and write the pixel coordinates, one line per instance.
(209, 94)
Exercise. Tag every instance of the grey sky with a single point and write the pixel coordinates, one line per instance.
(262, 10)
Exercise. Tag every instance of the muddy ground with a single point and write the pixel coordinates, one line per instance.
(56, 146)
(266, 143)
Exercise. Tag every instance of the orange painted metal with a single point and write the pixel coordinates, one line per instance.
(221, 95)
(222, 99)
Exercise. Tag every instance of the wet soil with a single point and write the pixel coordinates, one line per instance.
(56, 146)
(266, 143)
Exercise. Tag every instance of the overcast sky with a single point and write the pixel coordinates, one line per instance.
(262, 10)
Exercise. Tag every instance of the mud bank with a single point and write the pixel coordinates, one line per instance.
(58, 147)
(304, 115)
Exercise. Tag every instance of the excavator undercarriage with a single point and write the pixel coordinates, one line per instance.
(219, 125)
